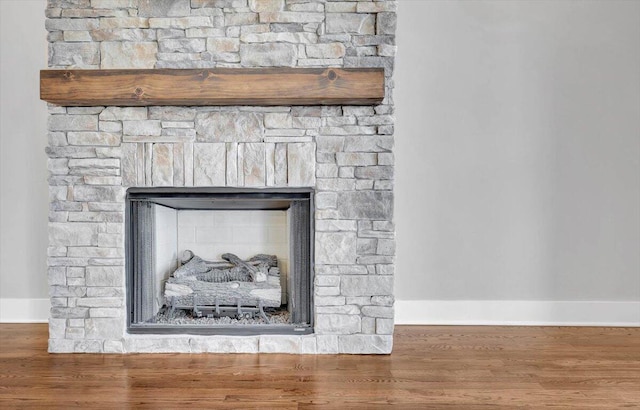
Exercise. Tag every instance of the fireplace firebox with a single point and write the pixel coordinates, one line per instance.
(219, 260)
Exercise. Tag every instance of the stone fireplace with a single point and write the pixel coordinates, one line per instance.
(341, 156)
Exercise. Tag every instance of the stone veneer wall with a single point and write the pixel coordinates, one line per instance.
(344, 152)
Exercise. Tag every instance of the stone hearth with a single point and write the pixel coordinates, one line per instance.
(343, 152)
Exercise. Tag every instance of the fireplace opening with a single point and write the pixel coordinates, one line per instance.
(219, 260)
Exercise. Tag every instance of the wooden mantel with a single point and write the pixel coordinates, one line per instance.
(224, 86)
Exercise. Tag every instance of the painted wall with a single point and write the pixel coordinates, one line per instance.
(518, 154)
(518, 151)
(23, 162)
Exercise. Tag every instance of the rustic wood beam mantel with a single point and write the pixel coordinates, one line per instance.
(224, 86)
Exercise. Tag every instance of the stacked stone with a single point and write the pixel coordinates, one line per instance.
(344, 152)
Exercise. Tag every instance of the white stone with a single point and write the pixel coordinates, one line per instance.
(157, 345)
(225, 344)
(73, 122)
(291, 17)
(280, 344)
(142, 127)
(351, 23)
(209, 167)
(73, 234)
(337, 324)
(104, 328)
(254, 169)
(162, 165)
(105, 276)
(123, 113)
(328, 50)
(365, 344)
(228, 127)
(335, 248)
(327, 344)
(366, 285)
(128, 54)
(301, 161)
(268, 55)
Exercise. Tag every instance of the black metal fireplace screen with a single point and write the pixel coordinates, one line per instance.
(231, 295)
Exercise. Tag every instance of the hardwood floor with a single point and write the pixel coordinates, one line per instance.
(431, 367)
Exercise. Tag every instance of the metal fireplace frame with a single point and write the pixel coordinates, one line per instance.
(301, 250)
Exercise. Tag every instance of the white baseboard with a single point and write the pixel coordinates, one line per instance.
(24, 310)
(436, 312)
(517, 313)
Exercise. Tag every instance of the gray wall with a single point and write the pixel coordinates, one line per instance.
(23, 162)
(518, 150)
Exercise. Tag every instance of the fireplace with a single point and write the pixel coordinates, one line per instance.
(178, 280)
(146, 168)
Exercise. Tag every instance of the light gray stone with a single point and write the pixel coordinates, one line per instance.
(386, 24)
(72, 123)
(301, 164)
(374, 205)
(123, 22)
(209, 164)
(374, 172)
(94, 163)
(385, 300)
(73, 234)
(281, 164)
(104, 328)
(170, 113)
(100, 302)
(113, 346)
(182, 45)
(284, 37)
(225, 344)
(162, 165)
(128, 54)
(366, 285)
(71, 24)
(326, 200)
(356, 158)
(327, 50)
(280, 344)
(337, 324)
(378, 311)
(350, 23)
(228, 127)
(123, 113)
(163, 8)
(181, 22)
(290, 17)
(93, 138)
(327, 344)
(335, 248)
(61, 346)
(268, 55)
(277, 120)
(98, 193)
(266, 5)
(365, 344)
(336, 225)
(124, 34)
(142, 127)
(240, 19)
(254, 170)
(157, 345)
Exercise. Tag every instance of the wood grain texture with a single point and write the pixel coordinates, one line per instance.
(431, 367)
(223, 86)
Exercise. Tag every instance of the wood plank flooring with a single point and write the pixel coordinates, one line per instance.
(431, 367)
